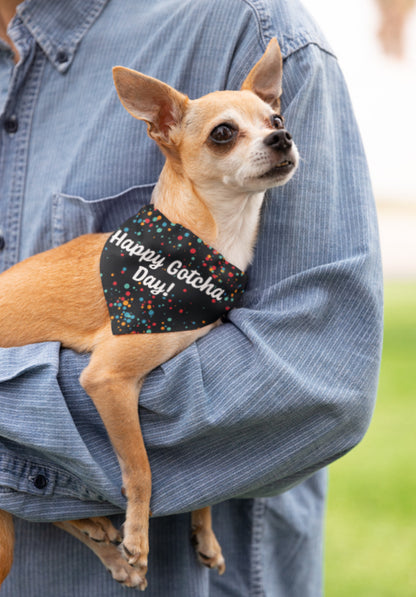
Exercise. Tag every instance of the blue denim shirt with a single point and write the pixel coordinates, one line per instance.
(247, 417)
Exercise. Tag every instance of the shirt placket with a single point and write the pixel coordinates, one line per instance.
(15, 122)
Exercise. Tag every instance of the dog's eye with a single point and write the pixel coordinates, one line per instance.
(277, 121)
(223, 133)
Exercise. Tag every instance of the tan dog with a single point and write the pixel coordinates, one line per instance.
(222, 152)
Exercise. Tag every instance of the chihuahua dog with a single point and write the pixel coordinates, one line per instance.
(223, 151)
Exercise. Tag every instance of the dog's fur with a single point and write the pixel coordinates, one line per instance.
(213, 188)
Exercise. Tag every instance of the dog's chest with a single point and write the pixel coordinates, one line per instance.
(237, 234)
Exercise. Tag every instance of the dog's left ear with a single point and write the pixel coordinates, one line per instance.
(151, 100)
(265, 78)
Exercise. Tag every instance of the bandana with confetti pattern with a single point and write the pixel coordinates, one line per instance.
(158, 277)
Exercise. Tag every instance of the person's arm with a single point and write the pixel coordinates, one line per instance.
(284, 388)
(290, 384)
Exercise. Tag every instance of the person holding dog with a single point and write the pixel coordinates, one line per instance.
(246, 418)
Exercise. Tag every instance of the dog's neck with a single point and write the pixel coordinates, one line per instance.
(228, 222)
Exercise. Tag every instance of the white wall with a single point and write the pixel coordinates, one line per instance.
(383, 91)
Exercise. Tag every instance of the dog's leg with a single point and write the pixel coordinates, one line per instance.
(109, 555)
(113, 380)
(205, 542)
(6, 544)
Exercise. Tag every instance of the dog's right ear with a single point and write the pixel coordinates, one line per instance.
(151, 100)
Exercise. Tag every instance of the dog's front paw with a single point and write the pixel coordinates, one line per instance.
(208, 549)
(135, 549)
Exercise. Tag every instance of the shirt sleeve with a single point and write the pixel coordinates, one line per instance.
(289, 384)
(286, 386)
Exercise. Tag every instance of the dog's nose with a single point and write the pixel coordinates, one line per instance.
(279, 140)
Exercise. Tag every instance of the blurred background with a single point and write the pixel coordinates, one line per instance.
(371, 526)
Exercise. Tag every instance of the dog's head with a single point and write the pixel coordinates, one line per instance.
(232, 139)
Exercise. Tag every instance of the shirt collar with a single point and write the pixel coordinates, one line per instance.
(59, 26)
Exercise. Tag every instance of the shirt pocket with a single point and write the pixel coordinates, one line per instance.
(73, 215)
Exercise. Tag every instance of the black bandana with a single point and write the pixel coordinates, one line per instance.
(158, 276)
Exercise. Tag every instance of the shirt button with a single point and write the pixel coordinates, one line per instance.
(62, 57)
(40, 481)
(2, 243)
(11, 125)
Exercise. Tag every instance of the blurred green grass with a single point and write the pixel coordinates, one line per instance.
(370, 546)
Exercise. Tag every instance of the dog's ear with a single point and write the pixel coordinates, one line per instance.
(148, 99)
(265, 78)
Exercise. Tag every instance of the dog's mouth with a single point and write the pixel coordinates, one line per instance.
(280, 169)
